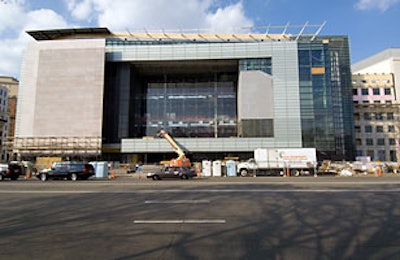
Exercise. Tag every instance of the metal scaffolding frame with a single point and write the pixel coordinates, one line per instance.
(56, 145)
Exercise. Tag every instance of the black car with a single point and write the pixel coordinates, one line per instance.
(172, 173)
(10, 171)
(67, 170)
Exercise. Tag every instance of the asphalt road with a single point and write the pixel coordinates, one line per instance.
(214, 218)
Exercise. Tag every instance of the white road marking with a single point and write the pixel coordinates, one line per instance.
(176, 201)
(158, 191)
(181, 221)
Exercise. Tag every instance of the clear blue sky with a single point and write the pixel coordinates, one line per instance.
(370, 24)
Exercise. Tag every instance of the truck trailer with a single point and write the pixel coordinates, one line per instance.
(280, 161)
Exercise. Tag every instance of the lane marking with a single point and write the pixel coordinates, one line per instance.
(75, 192)
(176, 201)
(181, 221)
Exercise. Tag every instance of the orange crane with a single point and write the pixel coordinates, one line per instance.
(181, 160)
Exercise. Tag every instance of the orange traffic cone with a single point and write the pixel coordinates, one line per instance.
(28, 174)
(379, 172)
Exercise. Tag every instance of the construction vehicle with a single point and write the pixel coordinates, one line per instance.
(280, 161)
(181, 160)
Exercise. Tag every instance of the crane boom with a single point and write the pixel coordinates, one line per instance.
(181, 160)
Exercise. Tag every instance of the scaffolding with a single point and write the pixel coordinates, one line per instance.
(55, 146)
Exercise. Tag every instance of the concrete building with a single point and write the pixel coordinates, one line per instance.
(217, 94)
(8, 128)
(376, 96)
(376, 116)
(12, 86)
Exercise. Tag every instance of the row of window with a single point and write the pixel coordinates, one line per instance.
(378, 155)
(379, 141)
(378, 129)
(372, 101)
(373, 91)
(373, 81)
(377, 116)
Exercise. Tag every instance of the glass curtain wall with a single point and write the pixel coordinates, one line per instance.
(316, 97)
(326, 96)
(192, 109)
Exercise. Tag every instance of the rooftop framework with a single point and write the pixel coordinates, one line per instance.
(245, 34)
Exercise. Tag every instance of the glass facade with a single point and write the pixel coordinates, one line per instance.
(191, 109)
(264, 65)
(186, 99)
(326, 96)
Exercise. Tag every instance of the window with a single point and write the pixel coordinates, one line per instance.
(368, 129)
(379, 116)
(387, 91)
(358, 129)
(391, 129)
(379, 129)
(369, 141)
(364, 92)
(367, 116)
(393, 156)
(382, 155)
(376, 91)
(356, 116)
(355, 92)
(392, 141)
(358, 142)
(364, 81)
(390, 116)
(381, 141)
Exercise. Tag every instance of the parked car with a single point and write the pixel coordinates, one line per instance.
(172, 173)
(11, 171)
(67, 170)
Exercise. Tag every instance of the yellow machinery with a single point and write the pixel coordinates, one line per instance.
(181, 160)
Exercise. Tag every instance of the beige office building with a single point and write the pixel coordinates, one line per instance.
(376, 97)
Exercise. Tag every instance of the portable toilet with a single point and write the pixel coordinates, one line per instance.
(100, 169)
(206, 168)
(216, 168)
(230, 168)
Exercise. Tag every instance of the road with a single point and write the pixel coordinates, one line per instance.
(214, 218)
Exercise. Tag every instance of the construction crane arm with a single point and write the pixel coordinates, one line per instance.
(177, 149)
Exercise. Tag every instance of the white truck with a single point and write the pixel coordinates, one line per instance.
(279, 161)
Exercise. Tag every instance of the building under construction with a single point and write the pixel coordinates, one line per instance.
(93, 92)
